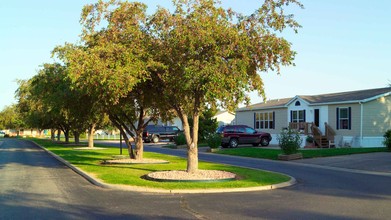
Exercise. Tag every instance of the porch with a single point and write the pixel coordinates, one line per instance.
(309, 128)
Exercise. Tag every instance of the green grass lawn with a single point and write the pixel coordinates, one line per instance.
(307, 153)
(90, 162)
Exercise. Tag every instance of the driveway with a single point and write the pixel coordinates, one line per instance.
(371, 162)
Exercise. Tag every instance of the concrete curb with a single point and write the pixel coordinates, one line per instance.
(99, 183)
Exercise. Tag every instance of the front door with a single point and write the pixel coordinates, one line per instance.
(316, 117)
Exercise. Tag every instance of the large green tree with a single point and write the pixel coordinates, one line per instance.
(113, 65)
(211, 56)
(49, 100)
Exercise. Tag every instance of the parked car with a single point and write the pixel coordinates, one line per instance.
(233, 135)
(154, 133)
(2, 133)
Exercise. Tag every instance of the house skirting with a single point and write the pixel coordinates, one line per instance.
(344, 141)
(357, 141)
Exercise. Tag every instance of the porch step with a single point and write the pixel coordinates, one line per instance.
(325, 143)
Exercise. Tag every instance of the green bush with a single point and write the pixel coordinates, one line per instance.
(289, 141)
(180, 139)
(309, 139)
(387, 139)
(214, 140)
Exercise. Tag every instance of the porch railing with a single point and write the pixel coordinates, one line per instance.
(329, 133)
(302, 127)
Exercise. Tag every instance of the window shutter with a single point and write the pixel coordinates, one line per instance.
(337, 125)
(304, 116)
(350, 118)
(254, 120)
(274, 120)
(291, 116)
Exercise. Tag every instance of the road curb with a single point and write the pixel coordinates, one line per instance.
(99, 183)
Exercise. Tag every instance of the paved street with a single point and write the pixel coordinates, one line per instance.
(34, 185)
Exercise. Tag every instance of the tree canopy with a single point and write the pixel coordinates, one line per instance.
(138, 67)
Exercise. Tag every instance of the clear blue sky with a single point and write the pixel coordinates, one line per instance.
(343, 45)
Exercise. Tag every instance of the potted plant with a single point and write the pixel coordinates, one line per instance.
(289, 142)
(309, 142)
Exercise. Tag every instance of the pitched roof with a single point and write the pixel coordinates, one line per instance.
(342, 97)
(352, 96)
(275, 103)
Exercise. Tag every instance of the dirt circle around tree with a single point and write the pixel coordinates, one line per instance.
(177, 175)
(184, 176)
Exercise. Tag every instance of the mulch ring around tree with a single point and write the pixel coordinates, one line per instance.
(183, 176)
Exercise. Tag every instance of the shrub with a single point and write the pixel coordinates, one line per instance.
(214, 140)
(180, 139)
(289, 141)
(387, 139)
(309, 139)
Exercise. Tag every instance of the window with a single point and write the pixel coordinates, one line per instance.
(297, 103)
(264, 120)
(344, 118)
(298, 116)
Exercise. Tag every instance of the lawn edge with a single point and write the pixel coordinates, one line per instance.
(100, 183)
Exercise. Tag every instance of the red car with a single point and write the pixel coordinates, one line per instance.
(233, 135)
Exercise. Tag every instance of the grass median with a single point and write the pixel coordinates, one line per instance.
(307, 153)
(131, 174)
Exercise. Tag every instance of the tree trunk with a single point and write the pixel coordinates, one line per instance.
(77, 137)
(192, 161)
(53, 134)
(58, 135)
(66, 134)
(91, 131)
(191, 141)
(139, 151)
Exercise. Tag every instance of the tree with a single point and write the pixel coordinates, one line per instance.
(11, 119)
(113, 66)
(48, 100)
(210, 56)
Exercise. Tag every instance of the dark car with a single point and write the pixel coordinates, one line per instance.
(233, 135)
(154, 133)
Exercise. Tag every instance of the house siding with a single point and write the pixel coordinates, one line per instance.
(281, 120)
(377, 118)
(247, 118)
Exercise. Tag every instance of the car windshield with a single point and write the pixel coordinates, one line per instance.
(250, 131)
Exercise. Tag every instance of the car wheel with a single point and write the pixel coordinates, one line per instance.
(233, 143)
(155, 139)
(256, 144)
(264, 142)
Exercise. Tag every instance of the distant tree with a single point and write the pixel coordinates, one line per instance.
(11, 119)
(48, 100)
(207, 124)
(210, 56)
(31, 110)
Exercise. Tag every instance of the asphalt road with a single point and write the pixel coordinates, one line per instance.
(35, 186)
